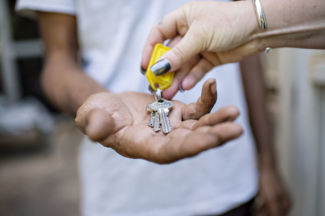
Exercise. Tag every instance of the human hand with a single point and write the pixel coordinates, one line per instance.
(211, 33)
(119, 121)
(272, 199)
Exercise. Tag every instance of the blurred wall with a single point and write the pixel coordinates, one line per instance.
(298, 77)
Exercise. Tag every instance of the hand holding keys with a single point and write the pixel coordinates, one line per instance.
(160, 108)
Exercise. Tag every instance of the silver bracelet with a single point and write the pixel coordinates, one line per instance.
(260, 14)
(261, 19)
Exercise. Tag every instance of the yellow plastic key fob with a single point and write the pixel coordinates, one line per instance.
(163, 81)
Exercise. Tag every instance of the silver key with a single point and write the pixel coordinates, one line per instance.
(159, 110)
(164, 120)
(162, 107)
(160, 104)
(156, 122)
(151, 119)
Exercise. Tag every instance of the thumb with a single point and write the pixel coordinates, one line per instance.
(97, 124)
(188, 47)
(204, 104)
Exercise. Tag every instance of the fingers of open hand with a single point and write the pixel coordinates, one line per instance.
(224, 114)
(183, 144)
(199, 140)
(204, 104)
(97, 124)
(192, 144)
(224, 131)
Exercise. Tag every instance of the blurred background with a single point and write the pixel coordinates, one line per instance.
(39, 145)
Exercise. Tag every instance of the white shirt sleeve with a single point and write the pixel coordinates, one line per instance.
(59, 6)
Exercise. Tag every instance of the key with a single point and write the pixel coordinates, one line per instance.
(156, 122)
(151, 119)
(161, 109)
(165, 124)
(160, 104)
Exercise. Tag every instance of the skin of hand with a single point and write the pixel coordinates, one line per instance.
(273, 198)
(224, 32)
(192, 26)
(180, 74)
(119, 121)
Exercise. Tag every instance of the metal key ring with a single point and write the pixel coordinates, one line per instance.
(158, 94)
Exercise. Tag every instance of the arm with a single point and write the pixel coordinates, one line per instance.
(254, 88)
(63, 80)
(293, 23)
(276, 200)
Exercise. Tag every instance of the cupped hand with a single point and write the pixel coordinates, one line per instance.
(119, 121)
(208, 34)
(273, 199)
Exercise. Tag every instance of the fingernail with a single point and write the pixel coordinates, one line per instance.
(160, 67)
(150, 89)
(180, 88)
(142, 70)
(213, 87)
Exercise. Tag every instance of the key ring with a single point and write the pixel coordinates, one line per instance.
(158, 94)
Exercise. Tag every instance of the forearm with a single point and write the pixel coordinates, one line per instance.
(293, 23)
(254, 88)
(66, 85)
(63, 80)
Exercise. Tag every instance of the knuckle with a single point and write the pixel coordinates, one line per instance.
(78, 118)
(191, 113)
(179, 54)
(187, 7)
(230, 111)
(233, 111)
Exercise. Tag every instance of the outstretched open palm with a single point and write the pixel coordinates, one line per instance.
(120, 121)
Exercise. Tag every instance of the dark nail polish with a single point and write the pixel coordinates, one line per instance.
(160, 67)
(142, 70)
(180, 88)
(150, 89)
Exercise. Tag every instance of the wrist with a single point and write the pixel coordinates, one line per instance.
(266, 162)
(248, 18)
(252, 29)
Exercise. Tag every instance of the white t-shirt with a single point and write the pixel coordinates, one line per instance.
(112, 35)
